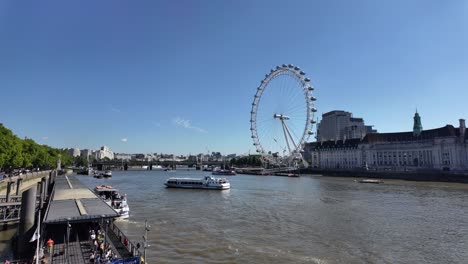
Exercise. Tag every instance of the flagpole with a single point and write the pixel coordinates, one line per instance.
(39, 237)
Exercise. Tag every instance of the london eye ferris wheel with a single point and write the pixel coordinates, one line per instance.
(282, 115)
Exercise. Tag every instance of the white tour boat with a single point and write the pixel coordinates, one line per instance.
(114, 199)
(208, 182)
(107, 173)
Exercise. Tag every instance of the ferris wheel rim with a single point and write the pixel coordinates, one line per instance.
(299, 76)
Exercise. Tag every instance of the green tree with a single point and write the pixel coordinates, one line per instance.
(81, 161)
(16, 152)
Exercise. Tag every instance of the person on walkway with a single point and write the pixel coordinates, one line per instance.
(92, 235)
(98, 259)
(91, 257)
(50, 246)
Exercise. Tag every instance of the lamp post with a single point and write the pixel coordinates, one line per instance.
(68, 240)
(105, 229)
(145, 242)
(105, 234)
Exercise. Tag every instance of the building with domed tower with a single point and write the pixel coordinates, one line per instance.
(443, 148)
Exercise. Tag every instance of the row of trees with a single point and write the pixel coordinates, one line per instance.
(251, 160)
(26, 153)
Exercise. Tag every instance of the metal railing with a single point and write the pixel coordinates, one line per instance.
(13, 198)
(10, 212)
(131, 247)
(26, 176)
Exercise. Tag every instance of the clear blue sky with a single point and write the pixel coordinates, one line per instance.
(179, 76)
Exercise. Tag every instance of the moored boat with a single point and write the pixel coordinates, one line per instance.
(114, 199)
(223, 172)
(107, 173)
(86, 171)
(208, 182)
(370, 181)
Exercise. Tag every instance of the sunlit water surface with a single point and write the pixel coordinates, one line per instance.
(311, 219)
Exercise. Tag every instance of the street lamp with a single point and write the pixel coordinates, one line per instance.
(105, 229)
(145, 243)
(68, 239)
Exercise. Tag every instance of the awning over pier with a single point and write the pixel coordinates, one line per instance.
(73, 202)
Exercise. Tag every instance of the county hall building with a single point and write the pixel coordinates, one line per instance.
(443, 148)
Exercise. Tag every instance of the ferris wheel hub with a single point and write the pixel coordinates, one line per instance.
(280, 116)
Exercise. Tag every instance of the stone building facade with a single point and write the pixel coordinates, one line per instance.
(340, 125)
(444, 148)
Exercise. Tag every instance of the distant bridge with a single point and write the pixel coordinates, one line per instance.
(168, 163)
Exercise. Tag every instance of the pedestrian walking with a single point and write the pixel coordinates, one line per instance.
(50, 246)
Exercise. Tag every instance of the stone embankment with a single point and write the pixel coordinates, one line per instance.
(435, 176)
(23, 181)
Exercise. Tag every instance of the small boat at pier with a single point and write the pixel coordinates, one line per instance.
(208, 182)
(98, 175)
(114, 199)
(218, 171)
(107, 173)
(86, 171)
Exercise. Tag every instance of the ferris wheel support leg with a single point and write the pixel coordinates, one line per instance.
(285, 135)
(289, 133)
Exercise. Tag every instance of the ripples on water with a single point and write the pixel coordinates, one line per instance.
(267, 219)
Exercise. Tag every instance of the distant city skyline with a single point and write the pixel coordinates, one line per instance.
(179, 77)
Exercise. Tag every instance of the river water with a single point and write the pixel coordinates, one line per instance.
(311, 219)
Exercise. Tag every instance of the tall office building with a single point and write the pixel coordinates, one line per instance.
(339, 125)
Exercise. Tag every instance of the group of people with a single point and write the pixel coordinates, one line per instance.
(100, 252)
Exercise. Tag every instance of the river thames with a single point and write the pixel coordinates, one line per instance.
(311, 219)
